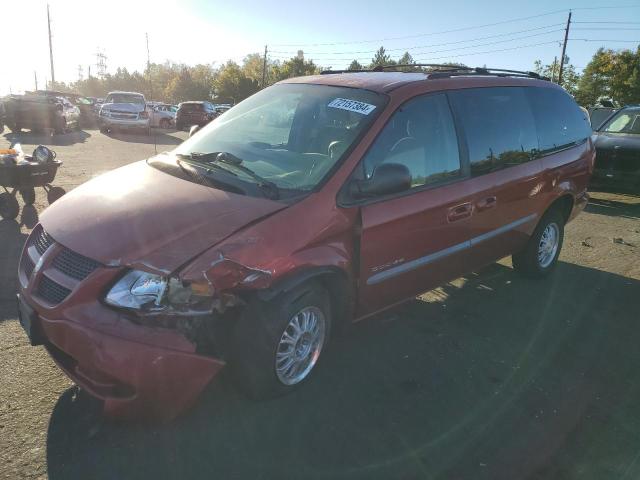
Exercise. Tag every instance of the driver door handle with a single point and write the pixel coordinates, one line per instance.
(460, 212)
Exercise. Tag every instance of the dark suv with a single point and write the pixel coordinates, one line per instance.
(194, 113)
(316, 202)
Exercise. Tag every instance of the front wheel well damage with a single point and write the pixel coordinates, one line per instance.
(333, 279)
(564, 204)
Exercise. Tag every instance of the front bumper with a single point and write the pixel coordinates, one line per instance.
(138, 372)
(123, 124)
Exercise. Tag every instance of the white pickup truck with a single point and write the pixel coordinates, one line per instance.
(124, 111)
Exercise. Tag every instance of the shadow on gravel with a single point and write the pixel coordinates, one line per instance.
(35, 138)
(614, 208)
(155, 137)
(11, 242)
(495, 377)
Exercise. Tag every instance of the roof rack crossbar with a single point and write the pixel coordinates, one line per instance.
(439, 70)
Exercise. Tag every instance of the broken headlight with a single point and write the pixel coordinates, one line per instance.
(151, 293)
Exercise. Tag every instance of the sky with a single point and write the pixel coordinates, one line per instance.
(496, 33)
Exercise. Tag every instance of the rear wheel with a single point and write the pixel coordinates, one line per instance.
(540, 255)
(9, 207)
(277, 344)
(15, 128)
(104, 130)
(28, 195)
(165, 123)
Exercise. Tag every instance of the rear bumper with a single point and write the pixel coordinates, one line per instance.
(134, 380)
(579, 204)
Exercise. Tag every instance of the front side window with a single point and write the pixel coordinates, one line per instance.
(290, 134)
(559, 120)
(625, 121)
(498, 125)
(421, 136)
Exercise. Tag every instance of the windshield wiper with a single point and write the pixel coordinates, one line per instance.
(215, 158)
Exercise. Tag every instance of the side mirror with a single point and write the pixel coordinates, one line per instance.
(387, 178)
(193, 130)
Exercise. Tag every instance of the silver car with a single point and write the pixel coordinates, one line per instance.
(162, 115)
(124, 111)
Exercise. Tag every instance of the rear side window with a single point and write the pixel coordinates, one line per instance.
(420, 135)
(560, 121)
(498, 125)
(191, 107)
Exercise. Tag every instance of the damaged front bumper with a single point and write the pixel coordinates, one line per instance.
(139, 372)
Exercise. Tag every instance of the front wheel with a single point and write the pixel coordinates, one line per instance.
(277, 344)
(540, 255)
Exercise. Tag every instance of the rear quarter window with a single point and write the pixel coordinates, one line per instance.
(559, 120)
(498, 125)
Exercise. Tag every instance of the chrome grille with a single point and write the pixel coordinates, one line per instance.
(27, 266)
(51, 291)
(74, 265)
(41, 240)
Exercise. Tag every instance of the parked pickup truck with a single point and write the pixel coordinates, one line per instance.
(124, 111)
(41, 112)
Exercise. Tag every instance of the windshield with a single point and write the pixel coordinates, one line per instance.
(126, 98)
(626, 121)
(290, 134)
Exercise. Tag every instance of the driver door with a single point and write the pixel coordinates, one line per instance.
(418, 239)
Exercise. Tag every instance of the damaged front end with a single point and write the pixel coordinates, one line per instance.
(202, 309)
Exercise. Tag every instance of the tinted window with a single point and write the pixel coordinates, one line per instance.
(421, 136)
(560, 121)
(498, 125)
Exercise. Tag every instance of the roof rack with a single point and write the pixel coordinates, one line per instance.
(437, 70)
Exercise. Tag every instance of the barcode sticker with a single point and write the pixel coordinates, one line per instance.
(352, 106)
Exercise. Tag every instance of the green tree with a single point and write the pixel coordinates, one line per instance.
(231, 85)
(355, 65)
(570, 77)
(611, 73)
(381, 58)
(295, 67)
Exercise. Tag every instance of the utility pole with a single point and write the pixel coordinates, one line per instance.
(564, 48)
(35, 77)
(53, 76)
(149, 67)
(264, 67)
(553, 68)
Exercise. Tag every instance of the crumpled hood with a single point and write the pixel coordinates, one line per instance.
(124, 107)
(139, 216)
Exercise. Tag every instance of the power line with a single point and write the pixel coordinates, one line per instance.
(614, 22)
(422, 60)
(426, 46)
(603, 40)
(519, 19)
(454, 49)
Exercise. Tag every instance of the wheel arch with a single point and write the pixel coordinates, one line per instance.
(564, 203)
(334, 279)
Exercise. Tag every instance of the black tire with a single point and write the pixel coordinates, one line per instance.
(15, 128)
(9, 207)
(55, 193)
(528, 262)
(259, 331)
(104, 130)
(165, 123)
(179, 127)
(28, 195)
(61, 127)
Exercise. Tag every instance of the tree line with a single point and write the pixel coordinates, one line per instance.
(613, 74)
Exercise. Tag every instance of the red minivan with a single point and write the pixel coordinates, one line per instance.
(316, 202)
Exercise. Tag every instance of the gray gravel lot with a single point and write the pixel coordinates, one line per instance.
(490, 376)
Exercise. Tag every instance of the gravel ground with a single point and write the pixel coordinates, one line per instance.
(491, 376)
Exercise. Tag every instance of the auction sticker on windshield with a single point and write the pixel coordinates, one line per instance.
(352, 105)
